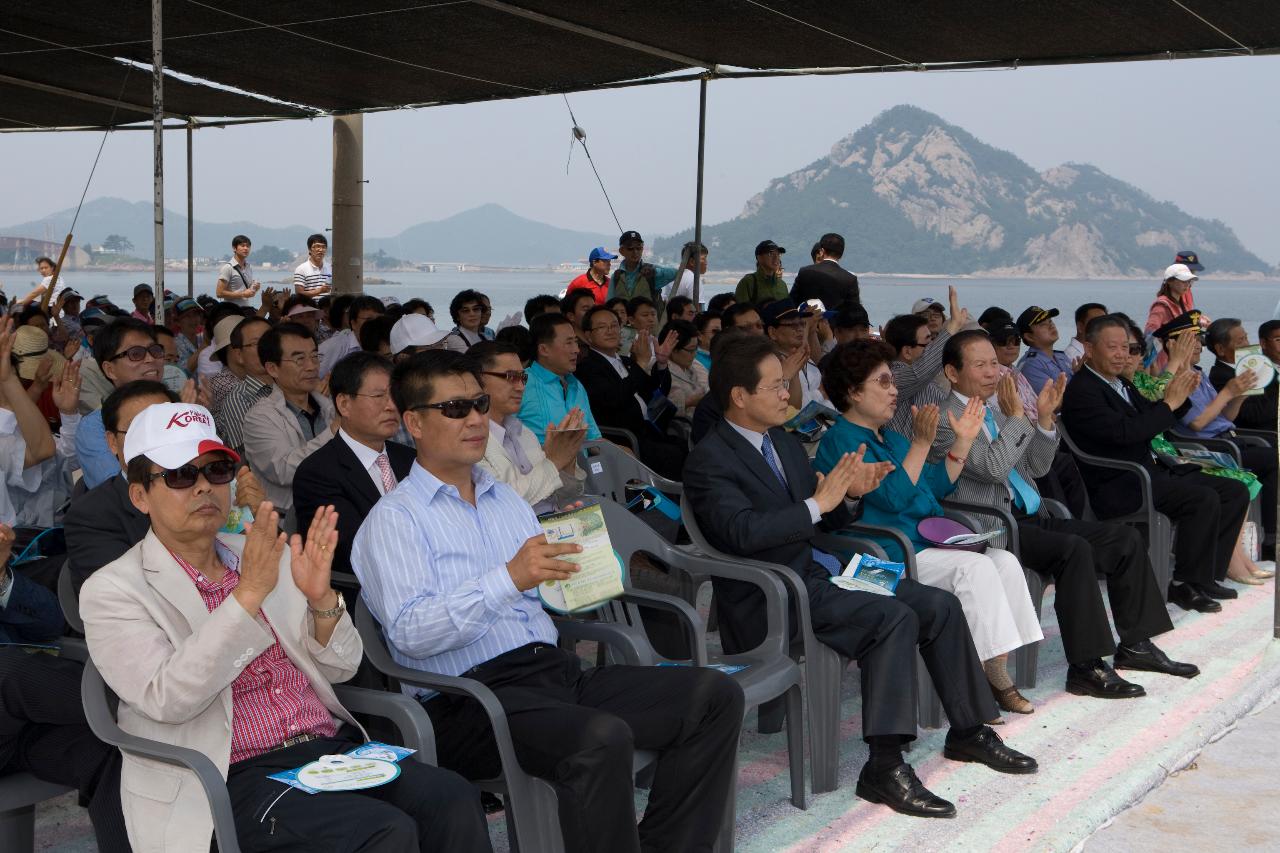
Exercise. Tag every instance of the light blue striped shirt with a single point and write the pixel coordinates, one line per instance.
(433, 570)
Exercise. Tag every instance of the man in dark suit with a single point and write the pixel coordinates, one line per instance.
(358, 465)
(621, 387)
(1106, 416)
(755, 495)
(1001, 470)
(825, 279)
(1223, 338)
(103, 523)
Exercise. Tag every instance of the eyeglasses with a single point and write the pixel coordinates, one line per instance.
(456, 410)
(512, 376)
(303, 358)
(916, 346)
(884, 380)
(784, 385)
(219, 472)
(692, 349)
(139, 353)
(607, 327)
(1136, 349)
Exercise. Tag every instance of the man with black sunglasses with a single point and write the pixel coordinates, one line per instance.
(546, 476)
(449, 563)
(125, 351)
(229, 645)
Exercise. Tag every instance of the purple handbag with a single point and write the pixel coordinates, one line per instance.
(938, 528)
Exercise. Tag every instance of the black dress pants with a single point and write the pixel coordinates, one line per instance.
(43, 731)
(424, 809)
(883, 632)
(579, 729)
(1073, 553)
(1207, 512)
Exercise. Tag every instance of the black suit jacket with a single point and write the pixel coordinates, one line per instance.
(100, 526)
(1103, 424)
(333, 475)
(828, 281)
(612, 398)
(743, 509)
(1257, 412)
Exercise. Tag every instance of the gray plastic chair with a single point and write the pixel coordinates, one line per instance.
(67, 599)
(99, 707)
(770, 673)
(1159, 530)
(822, 665)
(625, 436)
(1229, 448)
(20, 793)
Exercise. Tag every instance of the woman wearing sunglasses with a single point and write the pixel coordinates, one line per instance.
(230, 645)
(990, 585)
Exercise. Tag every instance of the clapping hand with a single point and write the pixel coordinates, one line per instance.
(1181, 350)
(564, 439)
(866, 475)
(1050, 400)
(1076, 364)
(959, 317)
(249, 492)
(1007, 397)
(66, 388)
(835, 485)
(311, 561)
(642, 348)
(260, 560)
(188, 394)
(666, 347)
(967, 426)
(1178, 389)
(795, 362)
(924, 424)
(44, 370)
(6, 349)
(7, 537)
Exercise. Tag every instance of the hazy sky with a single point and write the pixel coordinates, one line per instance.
(1202, 133)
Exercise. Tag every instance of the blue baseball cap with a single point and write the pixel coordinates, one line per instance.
(600, 253)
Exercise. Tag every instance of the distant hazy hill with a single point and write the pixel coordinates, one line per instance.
(488, 234)
(912, 193)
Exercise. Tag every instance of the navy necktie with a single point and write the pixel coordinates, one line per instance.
(822, 558)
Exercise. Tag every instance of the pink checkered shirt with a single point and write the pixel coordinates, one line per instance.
(271, 700)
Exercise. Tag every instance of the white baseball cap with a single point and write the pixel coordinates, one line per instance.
(415, 330)
(301, 308)
(1181, 272)
(172, 434)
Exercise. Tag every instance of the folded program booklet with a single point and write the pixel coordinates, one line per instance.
(599, 577)
(870, 574)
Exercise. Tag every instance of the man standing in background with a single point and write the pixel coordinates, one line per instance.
(235, 280)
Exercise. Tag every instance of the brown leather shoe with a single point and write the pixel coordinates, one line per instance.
(1012, 701)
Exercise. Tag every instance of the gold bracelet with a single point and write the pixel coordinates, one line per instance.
(336, 610)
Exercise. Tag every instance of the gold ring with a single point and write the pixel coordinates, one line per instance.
(324, 547)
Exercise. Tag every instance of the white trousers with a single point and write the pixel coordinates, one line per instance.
(992, 592)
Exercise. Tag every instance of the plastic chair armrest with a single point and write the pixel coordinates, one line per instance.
(1005, 518)
(406, 714)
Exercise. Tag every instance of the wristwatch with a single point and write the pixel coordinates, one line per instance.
(337, 610)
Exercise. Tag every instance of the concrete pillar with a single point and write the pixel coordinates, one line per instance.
(347, 246)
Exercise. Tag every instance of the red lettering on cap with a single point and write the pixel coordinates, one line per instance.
(185, 419)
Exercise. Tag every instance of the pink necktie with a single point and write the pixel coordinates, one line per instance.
(388, 478)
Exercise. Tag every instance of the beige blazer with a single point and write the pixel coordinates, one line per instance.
(274, 445)
(543, 482)
(172, 662)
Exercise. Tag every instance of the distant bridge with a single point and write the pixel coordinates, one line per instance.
(23, 251)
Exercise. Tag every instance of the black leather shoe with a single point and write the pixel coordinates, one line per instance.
(1096, 678)
(1188, 597)
(901, 790)
(1213, 589)
(986, 748)
(1147, 656)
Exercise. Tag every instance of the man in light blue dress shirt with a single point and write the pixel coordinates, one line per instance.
(552, 390)
(449, 563)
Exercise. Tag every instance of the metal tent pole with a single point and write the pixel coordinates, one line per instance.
(697, 213)
(191, 225)
(157, 153)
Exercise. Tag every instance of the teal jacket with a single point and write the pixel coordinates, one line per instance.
(896, 502)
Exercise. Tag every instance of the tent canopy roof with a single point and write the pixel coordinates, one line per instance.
(67, 63)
